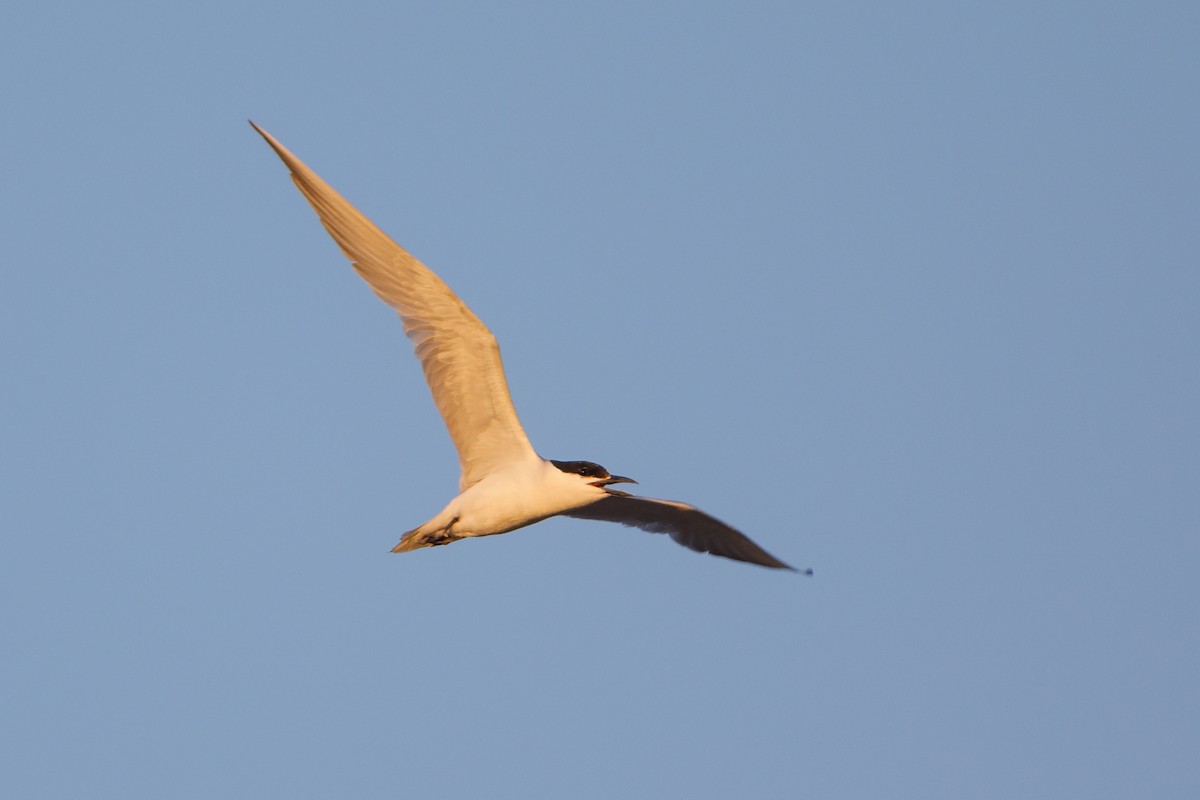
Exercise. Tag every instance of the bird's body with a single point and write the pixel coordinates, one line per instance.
(505, 484)
(511, 497)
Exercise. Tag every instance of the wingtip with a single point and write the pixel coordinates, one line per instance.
(279, 149)
(299, 171)
(775, 563)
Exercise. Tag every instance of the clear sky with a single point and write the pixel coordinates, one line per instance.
(909, 292)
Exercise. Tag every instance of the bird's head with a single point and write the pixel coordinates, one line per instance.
(591, 473)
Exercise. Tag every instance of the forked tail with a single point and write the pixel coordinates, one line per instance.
(419, 537)
(411, 541)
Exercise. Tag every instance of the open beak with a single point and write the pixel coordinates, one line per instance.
(611, 479)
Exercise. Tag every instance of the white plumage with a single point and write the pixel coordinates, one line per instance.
(505, 484)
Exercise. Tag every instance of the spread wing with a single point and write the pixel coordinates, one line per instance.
(686, 524)
(458, 353)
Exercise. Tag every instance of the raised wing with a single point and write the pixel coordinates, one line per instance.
(458, 353)
(686, 524)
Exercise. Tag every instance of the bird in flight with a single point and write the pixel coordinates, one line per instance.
(505, 485)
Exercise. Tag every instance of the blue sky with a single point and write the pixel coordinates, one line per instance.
(906, 291)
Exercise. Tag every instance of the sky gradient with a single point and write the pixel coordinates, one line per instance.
(907, 292)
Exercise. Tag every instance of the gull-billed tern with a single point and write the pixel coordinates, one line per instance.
(505, 485)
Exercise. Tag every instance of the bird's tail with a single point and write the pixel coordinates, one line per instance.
(413, 540)
(423, 537)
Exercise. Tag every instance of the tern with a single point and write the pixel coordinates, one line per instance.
(505, 485)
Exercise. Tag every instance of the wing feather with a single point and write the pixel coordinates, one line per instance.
(687, 525)
(459, 355)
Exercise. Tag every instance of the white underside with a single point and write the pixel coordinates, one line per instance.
(512, 497)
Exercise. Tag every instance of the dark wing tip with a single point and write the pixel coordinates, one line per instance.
(762, 558)
(685, 524)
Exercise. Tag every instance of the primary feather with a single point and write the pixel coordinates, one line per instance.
(459, 355)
